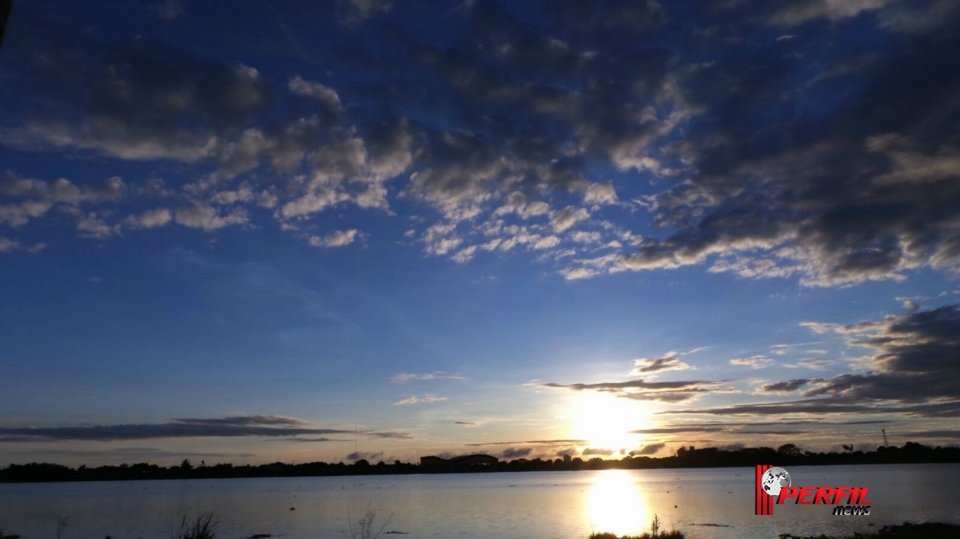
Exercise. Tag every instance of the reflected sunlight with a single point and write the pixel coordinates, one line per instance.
(616, 505)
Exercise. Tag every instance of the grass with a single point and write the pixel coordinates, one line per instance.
(366, 527)
(927, 530)
(654, 533)
(203, 527)
(663, 535)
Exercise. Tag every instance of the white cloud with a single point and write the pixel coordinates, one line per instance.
(208, 218)
(567, 217)
(754, 362)
(420, 400)
(600, 193)
(581, 236)
(315, 90)
(92, 226)
(149, 219)
(7, 245)
(416, 377)
(338, 238)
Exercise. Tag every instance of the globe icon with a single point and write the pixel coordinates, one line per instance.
(773, 480)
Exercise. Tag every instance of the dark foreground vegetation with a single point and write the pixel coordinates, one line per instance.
(369, 527)
(785, 455)
(927, 530)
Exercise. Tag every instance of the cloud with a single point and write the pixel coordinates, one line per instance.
(914, 358)
(797, 12)
(337, 238)
(227, 427)
(315, 90)
(533, 123)
(513, 453)
(416, 377)
(149, 219)
(7, 245)
(668, 362)
(649, 449)
(593, 451)
(679, 430)
(361, 455)
(169, 9)
(600, 193)
(784, 387)
(135, 454)
(670, 392)
(210, 218)
(567, 217)
(754, 362)
(815, 364)
(353, 12)
(911, 371)
(429, 398)
(532, 442)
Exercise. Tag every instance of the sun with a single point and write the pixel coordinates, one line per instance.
(605, 421)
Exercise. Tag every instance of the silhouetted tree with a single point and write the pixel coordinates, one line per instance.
(789, 450)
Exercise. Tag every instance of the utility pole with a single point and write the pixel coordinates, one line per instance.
(884, 431)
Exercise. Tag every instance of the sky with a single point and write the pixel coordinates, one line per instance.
(300, 231)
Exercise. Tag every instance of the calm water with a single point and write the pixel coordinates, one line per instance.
(549, 505)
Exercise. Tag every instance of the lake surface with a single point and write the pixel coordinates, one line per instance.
(549, 505)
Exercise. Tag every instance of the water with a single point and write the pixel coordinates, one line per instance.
(549, 505)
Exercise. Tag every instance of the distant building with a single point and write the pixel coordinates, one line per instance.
(438, 464)
(566, 458)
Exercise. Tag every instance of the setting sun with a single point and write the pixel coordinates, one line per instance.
(605, 421)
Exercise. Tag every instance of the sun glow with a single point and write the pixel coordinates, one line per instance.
(615, 504)
(605, 421)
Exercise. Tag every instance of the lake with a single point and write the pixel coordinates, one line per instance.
(703, 503)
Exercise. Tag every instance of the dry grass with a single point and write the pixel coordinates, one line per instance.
(203, 527)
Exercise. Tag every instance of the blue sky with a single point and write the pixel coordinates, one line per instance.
(366, 229)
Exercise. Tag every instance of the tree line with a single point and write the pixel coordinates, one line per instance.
(685, 457)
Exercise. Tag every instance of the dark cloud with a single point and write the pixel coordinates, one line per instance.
(514, 453)
(358, 455)
(595, 451)
(746, 426)
(930, 434)
(229, 427)
(823, 406)
(129, 454)
(914, 359)
(649, 449)
(775, 148)
(668, 362)
(531, 442)
(912, 371)
(675, 391)
(784, 387)
(246, 421)
(677, 430)
(834, 194)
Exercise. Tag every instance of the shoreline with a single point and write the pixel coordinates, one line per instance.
(256, 475)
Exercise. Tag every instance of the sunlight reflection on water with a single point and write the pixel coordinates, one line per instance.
(615, 504)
